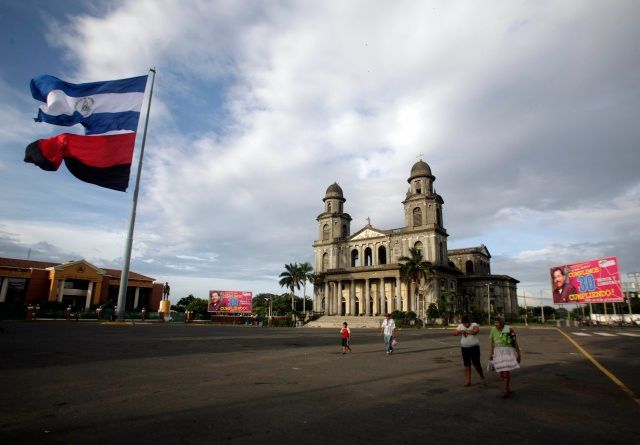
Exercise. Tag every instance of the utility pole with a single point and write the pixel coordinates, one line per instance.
(524, 294)
(488, 306)
(541, 306)
(635, 282)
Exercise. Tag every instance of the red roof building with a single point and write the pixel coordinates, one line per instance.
(79, 284)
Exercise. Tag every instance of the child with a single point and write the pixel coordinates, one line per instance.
(345, 335)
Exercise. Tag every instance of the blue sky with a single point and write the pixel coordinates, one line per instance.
(527, 113)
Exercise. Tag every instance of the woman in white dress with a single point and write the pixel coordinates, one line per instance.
(505, 352)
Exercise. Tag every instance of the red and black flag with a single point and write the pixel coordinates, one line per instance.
(101, 160)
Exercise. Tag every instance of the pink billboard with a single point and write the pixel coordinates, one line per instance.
(230, 301)
(596, 281)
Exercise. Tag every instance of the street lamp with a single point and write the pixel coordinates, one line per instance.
(269, 311)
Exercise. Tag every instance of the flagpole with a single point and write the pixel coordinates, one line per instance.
(124, 276)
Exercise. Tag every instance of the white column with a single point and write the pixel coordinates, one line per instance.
(339, 298)
(326, 298)
(382, 297)
(315, 299)
(352, 297)
(87, 302)
(367, 296)
(3, 289)
(60, 290)
(135, 298)
(398, 306)
(331, 302)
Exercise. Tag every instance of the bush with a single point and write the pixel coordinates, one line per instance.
(406, 319)
(12, 311)
(199, 307)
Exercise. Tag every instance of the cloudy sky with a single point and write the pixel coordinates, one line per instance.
(527, 112)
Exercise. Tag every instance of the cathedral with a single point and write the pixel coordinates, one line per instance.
(359, 273)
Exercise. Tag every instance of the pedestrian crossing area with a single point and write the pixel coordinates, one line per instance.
(606, 334)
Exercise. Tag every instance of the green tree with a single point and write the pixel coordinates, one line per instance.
(199, 307)
(562, 313)
(281, 305)
(291, 278)
(432, 311)
(413, 269)
(477, 315)
(182, 304)
(306, 275)
(260, 304)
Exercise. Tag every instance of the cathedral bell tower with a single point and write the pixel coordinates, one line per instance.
(423, 211)
(333, 223)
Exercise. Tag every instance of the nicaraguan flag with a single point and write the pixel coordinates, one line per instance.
(99, 106)
(101, 160)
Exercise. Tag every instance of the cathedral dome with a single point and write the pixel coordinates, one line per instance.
(334, 191)
(420, 169)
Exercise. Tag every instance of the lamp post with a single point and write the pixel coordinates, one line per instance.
(268, 311)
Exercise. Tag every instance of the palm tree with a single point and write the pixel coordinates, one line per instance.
(306, 274)
(291, 278)
(412, 269)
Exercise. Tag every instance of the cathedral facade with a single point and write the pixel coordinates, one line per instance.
(359, 273)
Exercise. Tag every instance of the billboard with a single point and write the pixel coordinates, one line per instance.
(229, 301)
(595, 281)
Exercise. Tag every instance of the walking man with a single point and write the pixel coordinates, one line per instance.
(388, 331)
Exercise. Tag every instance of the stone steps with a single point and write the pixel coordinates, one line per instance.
(335, 321)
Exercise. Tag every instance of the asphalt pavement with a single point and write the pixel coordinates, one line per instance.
(85, 382)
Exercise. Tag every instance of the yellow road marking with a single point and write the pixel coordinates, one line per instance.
(604, 370)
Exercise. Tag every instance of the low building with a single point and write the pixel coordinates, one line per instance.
(79, 284)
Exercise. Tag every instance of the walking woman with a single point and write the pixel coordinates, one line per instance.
(470, 347)
(505, 353)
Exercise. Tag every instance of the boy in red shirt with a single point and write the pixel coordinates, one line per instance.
(345, 335)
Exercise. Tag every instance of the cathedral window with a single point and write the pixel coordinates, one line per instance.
(328, 207)
(382, 255)
(368, 257)
(469, 267)
(417, 217)
(325, 262)
(419, 246)
(355, 258)
(344, 230)
(325, 232)
(439, 216)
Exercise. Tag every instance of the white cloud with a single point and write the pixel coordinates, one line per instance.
(524, 112)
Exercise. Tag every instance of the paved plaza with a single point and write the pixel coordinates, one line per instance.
(84, 382)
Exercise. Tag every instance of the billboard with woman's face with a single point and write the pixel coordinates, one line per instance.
(596, 281)
(230, 301)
